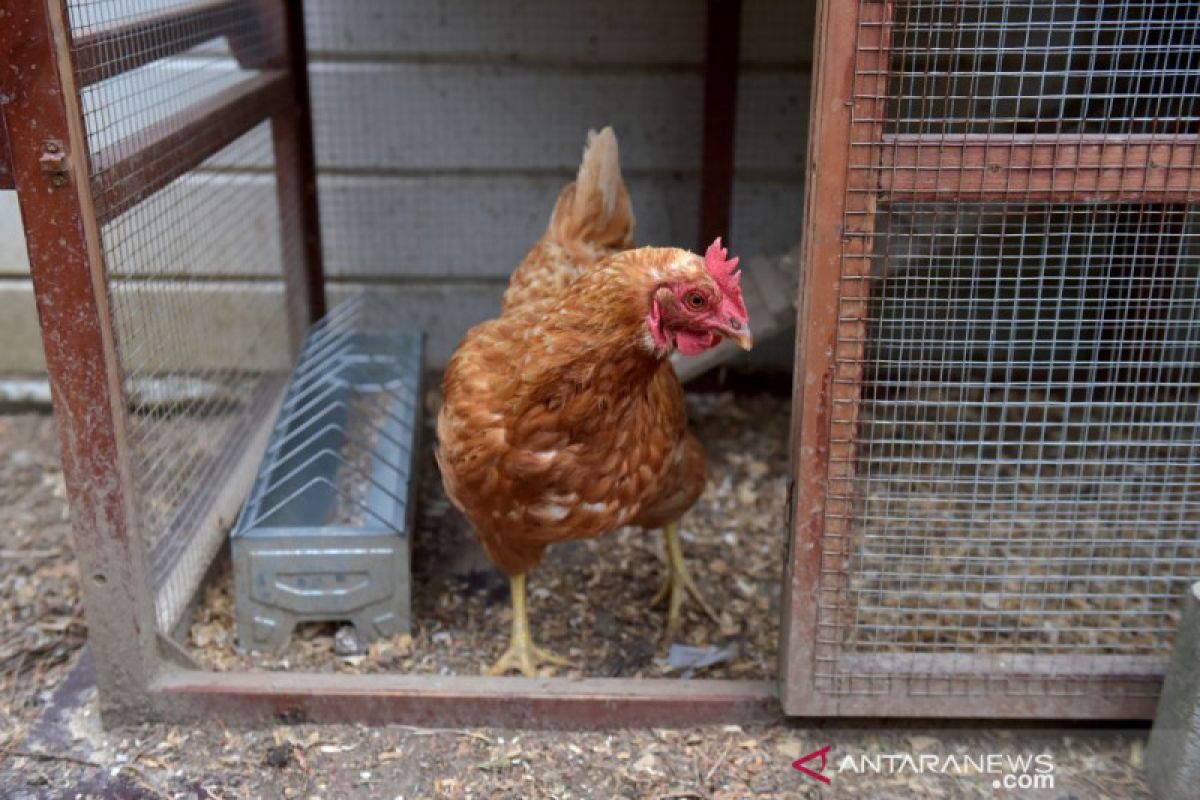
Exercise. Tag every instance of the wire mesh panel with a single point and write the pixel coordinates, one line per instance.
(1012, 384)
(196, 270)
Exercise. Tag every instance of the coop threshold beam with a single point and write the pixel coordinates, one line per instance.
(118, 48)
(1066, 168)
(132, 169)
(442, 701)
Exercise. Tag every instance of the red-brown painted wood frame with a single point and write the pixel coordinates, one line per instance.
(561, 703)
(45, 125)
(853, 164)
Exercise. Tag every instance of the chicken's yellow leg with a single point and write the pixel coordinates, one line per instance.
(522, 654)
(678, 584)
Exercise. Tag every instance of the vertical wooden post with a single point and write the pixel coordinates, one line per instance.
(835, 271)
(277, 42)
(51, 170)
(296, 179)
(722, 48)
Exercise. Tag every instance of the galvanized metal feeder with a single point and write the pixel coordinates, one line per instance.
(325, 533)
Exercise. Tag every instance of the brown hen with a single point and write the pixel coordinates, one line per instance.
(563, 419)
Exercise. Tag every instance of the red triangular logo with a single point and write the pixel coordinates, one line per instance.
(823, 753)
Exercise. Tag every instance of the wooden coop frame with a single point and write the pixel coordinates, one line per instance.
(141, 672)
(854, 166)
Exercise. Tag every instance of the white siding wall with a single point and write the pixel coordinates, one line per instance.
(446, 127)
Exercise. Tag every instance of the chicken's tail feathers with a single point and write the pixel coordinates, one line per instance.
(596, 208)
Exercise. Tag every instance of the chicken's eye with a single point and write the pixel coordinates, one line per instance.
(694, 300)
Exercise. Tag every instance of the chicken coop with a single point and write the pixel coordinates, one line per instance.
(980, 228)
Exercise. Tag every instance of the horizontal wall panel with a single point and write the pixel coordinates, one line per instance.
(407, 117)
(13, 258)
(481, 227)
(595, 30)
(417, 227)
(230, 315)
(231, 325)
(237, 252)
(608, 31)
(470, 118)
(437, 117)
(19, 331)
(445, 313)
(581, 31)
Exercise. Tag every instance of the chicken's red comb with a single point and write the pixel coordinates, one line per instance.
(725, 272)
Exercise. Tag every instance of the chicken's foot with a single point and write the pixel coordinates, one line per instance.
(522, 654)
(678, 585)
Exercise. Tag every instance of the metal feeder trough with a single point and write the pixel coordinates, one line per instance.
(325, 532)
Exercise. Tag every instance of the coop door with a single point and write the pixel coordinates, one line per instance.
(996, 436)
(162, 156)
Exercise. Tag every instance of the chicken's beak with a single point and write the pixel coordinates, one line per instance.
(739, 334)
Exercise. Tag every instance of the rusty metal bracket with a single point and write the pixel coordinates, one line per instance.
(54, 163)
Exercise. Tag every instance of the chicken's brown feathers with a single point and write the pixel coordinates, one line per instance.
(591, 220)
(558, 421)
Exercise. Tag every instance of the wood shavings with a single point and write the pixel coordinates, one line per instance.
(589, 600)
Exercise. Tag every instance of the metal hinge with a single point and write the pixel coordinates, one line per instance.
(54, 162)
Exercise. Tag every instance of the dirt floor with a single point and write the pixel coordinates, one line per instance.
(41, 632)
(590, 600)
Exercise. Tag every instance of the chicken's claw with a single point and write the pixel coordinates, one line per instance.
(522, 654)
(525, 657)
(678, 585)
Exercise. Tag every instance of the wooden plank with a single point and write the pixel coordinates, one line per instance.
(296, 184)
(67, 265)
(130, 170)
(668, 32)
(437, 701)
(849, 261)
(1061, 168)
(127, 44)
(828, 162)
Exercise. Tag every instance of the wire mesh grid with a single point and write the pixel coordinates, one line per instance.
(194, 262)
(1043, 66)
(1009, 505)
